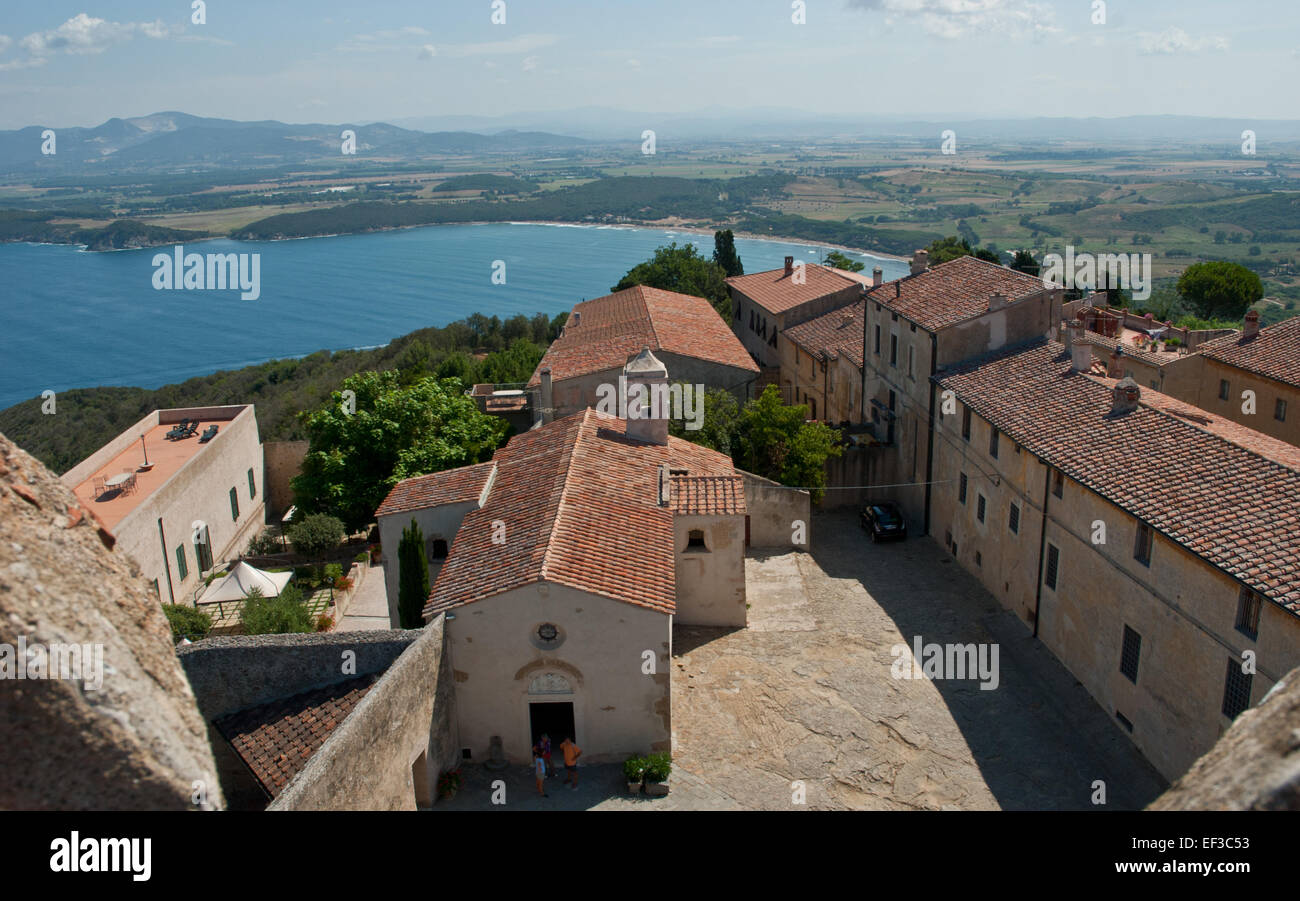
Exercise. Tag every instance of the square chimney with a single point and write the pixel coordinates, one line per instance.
(789, 265)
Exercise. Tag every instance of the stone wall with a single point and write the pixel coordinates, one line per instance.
(282, 461)
(773, 510)
(389, 753)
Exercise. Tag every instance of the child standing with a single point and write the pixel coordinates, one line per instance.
(539, 770)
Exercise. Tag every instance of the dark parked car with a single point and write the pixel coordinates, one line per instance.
(884, 520)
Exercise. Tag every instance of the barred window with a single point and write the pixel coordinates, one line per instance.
(1248, 607)
(1236, 690)
(1053, 566)
(1013, 521)
(1129, 654)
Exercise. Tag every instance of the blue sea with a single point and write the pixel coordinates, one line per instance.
(71, 318)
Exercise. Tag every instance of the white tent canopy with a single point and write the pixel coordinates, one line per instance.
(242, 579)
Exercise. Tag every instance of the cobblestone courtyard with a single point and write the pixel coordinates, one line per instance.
(806, 693)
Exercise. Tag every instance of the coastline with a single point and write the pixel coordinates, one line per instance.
(688, 229)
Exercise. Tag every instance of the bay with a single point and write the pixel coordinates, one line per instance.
(70, 318)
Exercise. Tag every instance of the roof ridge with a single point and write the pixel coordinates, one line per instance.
(650, 318)
(566, 468)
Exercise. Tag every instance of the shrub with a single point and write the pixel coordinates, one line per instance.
(187, 622)
(658, 766)
(342, 583)
(262, 544)
(278, 615)
(316, 535)
(448, 783)
(332, 572)
(361, 557)
(634, 768)
(324, 622)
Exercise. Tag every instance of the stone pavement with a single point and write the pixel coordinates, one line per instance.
(600, 787)
(369, 607)
(806, 693)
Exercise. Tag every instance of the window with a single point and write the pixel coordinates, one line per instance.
(1236, 690)
(979, 508)
(438, 549)
(1053, 566)
(252, 485)
(1223, 389)
(893, 350)
(1279, 410)
(1058, 483)
(1142, 547)
(993, 443)
(182, 565)
(1248, 607)
(1013, 520)
(203, 550)
(877, 339)
(695, 541)
(1129, 654)
(911, 361)
(234, 505)
(979, 559)
(965, 423)
(961, 489)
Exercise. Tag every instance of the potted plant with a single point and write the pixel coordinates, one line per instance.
(449, 784)
(375, 552)
(658, 768)
(634, 770)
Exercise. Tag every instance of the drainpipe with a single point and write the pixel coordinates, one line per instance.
(929, 440)
(1042, 544)
(171, 592)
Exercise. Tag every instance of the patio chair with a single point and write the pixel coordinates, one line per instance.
(128, 487)
(208, 434)
(192, 429)
(97, 486)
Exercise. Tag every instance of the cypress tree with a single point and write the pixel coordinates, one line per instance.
(412, 577)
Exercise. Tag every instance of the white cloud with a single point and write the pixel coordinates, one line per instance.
(85, 34)
(958, 18)
(530, 63)
(428, 51)
(384, 40)
(1175, 40)
(5, 41)
(522, 44)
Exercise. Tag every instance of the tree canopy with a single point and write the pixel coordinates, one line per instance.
(1219, 289)
(837, 260)
(952, 247)
(724, 253)
(684, 270)
(396, 431)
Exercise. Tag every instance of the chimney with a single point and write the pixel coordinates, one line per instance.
(877, 277)
(920, 261)
(1115, 369)
(997, 302)
(1125, 397)
(665, 485)
(548, 411)
(789, 265)
(574, 319)
(647, 398)
(1080, 350)
(1251, 326)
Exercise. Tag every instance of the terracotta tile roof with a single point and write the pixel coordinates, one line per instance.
(1273, 353)
(601, 334)
(1227, 494)
(837, 332)
(579, 501)
(777, 292)
(1156, 359)
(277, 739)
(451, 486)
(709, 495)
(953, 292)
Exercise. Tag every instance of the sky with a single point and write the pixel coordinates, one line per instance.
(79, 63)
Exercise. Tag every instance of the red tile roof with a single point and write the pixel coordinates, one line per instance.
(1230, 497)
(601, 334)
(709, 495)
(1273, 353)
(452, 486)
(837, 332)
(579, 501)
(1129, 350)
(277, 739)
(953, 292)
(777, 292)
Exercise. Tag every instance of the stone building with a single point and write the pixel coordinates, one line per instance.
(766, 303)
(193, 505)
(1251, 377)
(571, 554)
(684, 332)
(1147, 543)
(821, 364)
(916, 326)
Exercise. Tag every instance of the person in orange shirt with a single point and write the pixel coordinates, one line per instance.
(571, 754)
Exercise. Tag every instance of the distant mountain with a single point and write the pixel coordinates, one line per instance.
(179, 139)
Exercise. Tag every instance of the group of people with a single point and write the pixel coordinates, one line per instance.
(542, 762)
